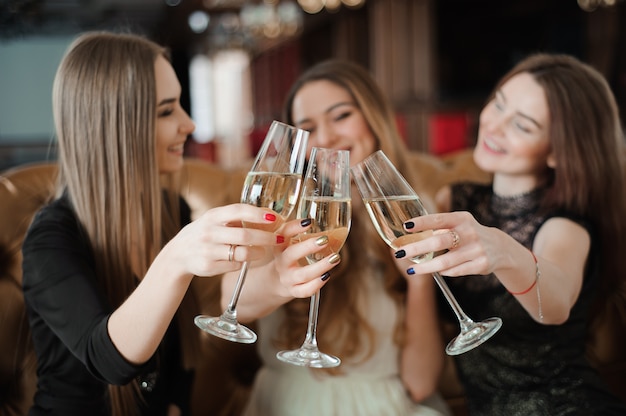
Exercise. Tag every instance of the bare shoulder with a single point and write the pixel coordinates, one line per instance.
(562, 237)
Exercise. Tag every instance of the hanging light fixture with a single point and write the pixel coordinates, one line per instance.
(592, 5)
(316, 6)
(271, 19)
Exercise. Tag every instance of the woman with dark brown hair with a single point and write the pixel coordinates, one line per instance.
(543, 246)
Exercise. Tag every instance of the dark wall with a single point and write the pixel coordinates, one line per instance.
(478, 41)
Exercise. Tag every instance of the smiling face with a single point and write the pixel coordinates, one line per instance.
(513, 141)
(333, 119)
(173, 123)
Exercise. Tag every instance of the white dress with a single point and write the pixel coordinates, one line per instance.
(369, 388)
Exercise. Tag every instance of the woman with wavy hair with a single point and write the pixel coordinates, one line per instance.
(381, 324)
(543, 245)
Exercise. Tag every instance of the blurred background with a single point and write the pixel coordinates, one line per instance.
(435, 59)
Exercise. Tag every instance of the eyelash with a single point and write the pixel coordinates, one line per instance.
(340, 117)
(165, 113)
(522, 128)
(500, 107)
(343, 115)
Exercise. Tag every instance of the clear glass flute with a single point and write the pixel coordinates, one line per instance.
(390, 202)
(326, 200)
(274, 181)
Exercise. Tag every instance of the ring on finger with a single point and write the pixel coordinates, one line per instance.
(455, 239)
(231, 252)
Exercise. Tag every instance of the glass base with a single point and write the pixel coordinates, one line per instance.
(308, 358)
(223, 328)
(478, 333)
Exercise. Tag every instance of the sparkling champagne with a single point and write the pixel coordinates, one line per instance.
(390, 202)
(331, 217)
(389, 214)
(278, 191)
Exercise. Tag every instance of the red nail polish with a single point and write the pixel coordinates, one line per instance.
(270, 217)
(280, 239)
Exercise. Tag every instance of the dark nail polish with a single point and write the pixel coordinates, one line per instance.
(280, 239)
(305, 222)
(409, 224)
(410, 271)
(399, 254)
(325, 276)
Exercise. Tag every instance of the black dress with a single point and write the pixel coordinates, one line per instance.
(76, 359)
(527, 368)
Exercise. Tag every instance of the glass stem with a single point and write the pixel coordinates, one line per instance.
(230, 314)
(310, 341)
(464, 321)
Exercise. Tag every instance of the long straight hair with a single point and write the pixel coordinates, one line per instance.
(104, 103)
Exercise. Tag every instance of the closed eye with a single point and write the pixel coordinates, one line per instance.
(522, 127)
(165, 107)
(166, 112)
(343, 115)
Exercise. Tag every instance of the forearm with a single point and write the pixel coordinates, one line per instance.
(543, 289)
(550, 285)
(422, 355)
(137, 327)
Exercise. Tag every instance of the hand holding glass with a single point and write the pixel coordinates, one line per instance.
(326, 200)
(390, 202)
(273, 182)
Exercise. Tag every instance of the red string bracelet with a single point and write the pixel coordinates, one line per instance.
(523, 292)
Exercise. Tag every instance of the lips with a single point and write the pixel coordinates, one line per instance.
(178, 149)
(492, 146)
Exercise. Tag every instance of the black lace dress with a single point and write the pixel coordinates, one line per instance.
(526, 368)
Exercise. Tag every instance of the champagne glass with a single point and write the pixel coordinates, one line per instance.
(274, 182)
(390, 201)
(326, 200)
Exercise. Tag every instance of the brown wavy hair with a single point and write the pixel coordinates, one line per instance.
(588, 143)
(342, 329)
(104, 104)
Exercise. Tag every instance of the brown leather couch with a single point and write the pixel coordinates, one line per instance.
(224, 377)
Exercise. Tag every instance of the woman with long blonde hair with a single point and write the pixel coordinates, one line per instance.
(108, 264)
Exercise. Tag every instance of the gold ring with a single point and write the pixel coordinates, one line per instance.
(455, 239)
(231, 252)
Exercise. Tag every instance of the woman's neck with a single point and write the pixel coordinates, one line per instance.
(509, 185)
